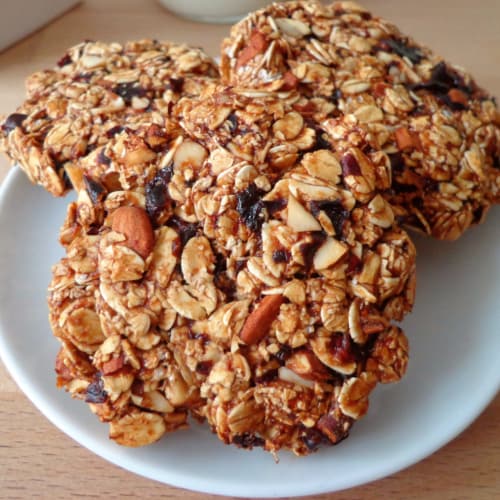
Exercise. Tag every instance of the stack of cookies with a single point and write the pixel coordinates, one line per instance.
(237, 251)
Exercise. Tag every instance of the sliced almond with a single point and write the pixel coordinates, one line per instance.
(190, 154)
(299, 219)
(293, 27)
(329, 253)
(137, 429)
(260, 319)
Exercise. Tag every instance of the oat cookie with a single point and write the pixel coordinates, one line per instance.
(255, 253)
(438, 128)
(95, 90)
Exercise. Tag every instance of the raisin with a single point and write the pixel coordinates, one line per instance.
(442, 80)
(175, 85)
(281, 256)
(13, 121)
(95, 189)
(335, 211)
(248, 440)
(186, 231)
(117, 129)
(204, 367)
(350, 165)
(95, 392)
(233, 122)
(249, 206)
(274, 206)
(283, 353)
(313, 438)
(402, 49)
(128, 90)
(157, 196)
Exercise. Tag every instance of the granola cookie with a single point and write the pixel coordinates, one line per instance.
(439, 129)
(256, 254)
(95, 90)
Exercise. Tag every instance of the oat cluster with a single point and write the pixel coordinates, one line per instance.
(236, 251)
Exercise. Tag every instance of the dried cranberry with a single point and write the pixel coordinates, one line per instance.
(335, 211)
(249, 206)
(350, 165)
(13, 121)
(342, 348)
(95, 189)
(95, 392)
(64, 61)
(248, 440)
(402, 49)
(354, 265)
(309, 249)
(281, 256)
(157, 196)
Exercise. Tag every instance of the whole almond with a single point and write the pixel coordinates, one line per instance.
(134, 223)
(260, 319)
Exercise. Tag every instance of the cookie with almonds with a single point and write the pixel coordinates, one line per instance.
(96, 90)
(439, 129)
(253, 259)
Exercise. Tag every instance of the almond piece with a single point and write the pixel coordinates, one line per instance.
(404, 138)
(134, 224)
(260, 319)
(305, 364)
(258, 45)
(113, 365)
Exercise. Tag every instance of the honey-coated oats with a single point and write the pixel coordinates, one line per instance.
(262, 292)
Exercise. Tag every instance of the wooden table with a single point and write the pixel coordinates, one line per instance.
(36, 459)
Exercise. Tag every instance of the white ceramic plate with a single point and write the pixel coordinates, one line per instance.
(453, 374)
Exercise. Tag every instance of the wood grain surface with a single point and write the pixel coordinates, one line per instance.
(39, 461)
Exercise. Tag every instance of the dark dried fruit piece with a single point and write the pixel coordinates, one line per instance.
(128, 90)
(402, 49)
(334, 425)
(95, 190)
(248, 441)
(309, 249)
(350, 165)
(96, 393)
(281, 256)
(335, 211)
(64, 61)
(157, 197)
(13, 121)
(249, 205)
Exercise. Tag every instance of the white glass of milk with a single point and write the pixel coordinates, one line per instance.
(214, 11)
